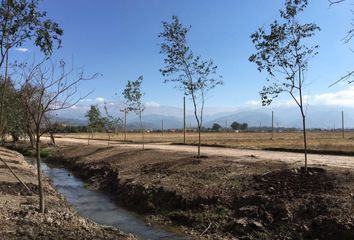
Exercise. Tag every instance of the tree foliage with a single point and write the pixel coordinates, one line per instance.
(283, 53)
(133, 96)
(15, 119)
(94, 118)
(239, 126)
(133, 100)
(111, 124)
(21, 21)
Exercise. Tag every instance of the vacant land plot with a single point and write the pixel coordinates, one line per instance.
(220, 197)
(318, 141)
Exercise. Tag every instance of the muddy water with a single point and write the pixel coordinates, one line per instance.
(100, 208)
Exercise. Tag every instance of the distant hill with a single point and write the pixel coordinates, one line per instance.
(326, 117)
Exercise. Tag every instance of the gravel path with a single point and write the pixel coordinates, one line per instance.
(294, 158)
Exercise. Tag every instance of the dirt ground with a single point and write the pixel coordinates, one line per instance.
(222, 197)
(19, 218)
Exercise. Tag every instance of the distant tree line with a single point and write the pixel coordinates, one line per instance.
(235, 126)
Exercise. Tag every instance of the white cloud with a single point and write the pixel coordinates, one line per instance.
(152, 104)
(339, 98)
(21, 49)
(100, 99)
(253, 103)
(342, 98)
(86, 100)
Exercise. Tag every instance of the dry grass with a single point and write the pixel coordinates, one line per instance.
(324, 141)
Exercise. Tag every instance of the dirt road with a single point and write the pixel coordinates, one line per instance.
(294, 158)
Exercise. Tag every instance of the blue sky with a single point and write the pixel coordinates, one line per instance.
(118, 38)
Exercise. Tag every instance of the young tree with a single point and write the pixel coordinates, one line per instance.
(125, 110)
(95, 121)
(284, 53)
(51, 127)
(188, 72)
(22, 21)
(111, 124)
(46, 88)
(133, 97)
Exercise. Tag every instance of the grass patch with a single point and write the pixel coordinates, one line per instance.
(45, 153)
(86, 185)
(25, 150)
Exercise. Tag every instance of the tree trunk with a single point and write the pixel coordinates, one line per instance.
(142, 132)
(2, 110)
(184, 120)
(39, 174)
(15, 138)
(305, 139)
(88, 137)
(199, 140)
(31, 137)
(52, 138)
(125, 125)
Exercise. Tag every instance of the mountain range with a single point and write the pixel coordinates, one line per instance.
(325, 117)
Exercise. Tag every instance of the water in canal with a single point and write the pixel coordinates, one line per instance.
(101, 208)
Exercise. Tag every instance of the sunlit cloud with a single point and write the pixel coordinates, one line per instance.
(152, 104)
(86, 100)
(343, 98)
(253, 103)
(100, 99)
(21, 49)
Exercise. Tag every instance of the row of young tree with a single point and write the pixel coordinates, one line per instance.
(283, 52)
(31, 92)
(112, 125)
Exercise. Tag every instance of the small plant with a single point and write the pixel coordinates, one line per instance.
(86, 185)
(45, 153)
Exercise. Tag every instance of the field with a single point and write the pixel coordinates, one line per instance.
(317, 141)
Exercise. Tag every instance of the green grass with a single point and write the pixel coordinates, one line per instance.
(86, 185)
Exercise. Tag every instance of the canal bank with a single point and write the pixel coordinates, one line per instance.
(19, 218)
(99, 207)
(219, 197)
